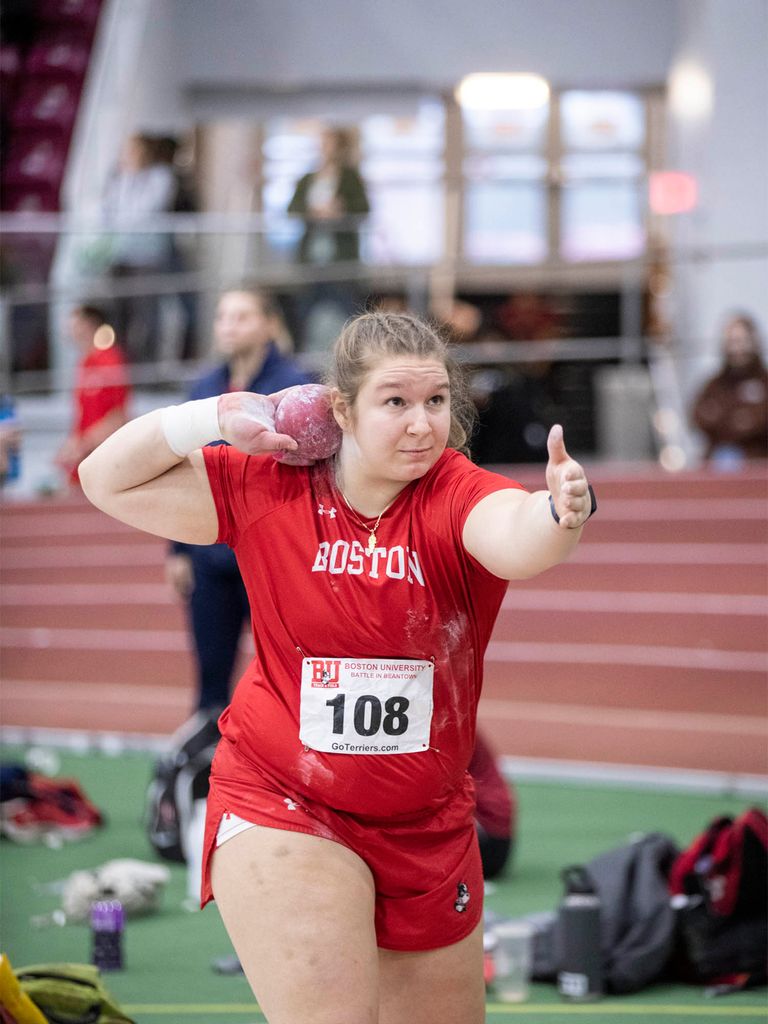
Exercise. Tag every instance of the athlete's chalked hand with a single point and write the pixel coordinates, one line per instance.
(247, 422)
(567, 482)
(304, 413)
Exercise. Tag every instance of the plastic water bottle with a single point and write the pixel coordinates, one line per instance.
(107, 924)
(8, 419)
(580, 977)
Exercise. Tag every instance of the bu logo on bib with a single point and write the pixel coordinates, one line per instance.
(325, 672)
(379, 706)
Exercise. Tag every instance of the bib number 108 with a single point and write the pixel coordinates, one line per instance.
(369, 715)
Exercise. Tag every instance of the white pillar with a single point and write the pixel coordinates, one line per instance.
(718, 132)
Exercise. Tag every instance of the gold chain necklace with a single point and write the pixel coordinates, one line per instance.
(371, 529)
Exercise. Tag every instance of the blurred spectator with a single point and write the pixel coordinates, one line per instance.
(328, 199)
(140, 188)
(732, 409)
(495, 809)
(461, 321)
(181, 258)
(514, 414)
(206, 577)
(527, 316)
(512, 400)
(166, 152)
(102, 390)
(10, 441)
(328, 195)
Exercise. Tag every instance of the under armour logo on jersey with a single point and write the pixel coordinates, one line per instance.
(290, 804)
(323, 511)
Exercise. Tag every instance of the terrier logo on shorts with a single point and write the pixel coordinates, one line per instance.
(462, 897)
(325, 673)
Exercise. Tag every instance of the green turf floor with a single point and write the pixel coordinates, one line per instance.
(168, 978)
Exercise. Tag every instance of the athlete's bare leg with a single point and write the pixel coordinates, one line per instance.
(299, 911)
(439, 986)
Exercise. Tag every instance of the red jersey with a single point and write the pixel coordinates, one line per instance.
(101, 386)
(318, 596)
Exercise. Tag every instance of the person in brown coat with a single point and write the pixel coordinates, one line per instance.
(732, 408)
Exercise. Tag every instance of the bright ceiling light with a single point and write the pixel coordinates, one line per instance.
(502, 91)
(690, 90)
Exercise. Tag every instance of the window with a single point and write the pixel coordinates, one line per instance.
(533, 190)
(403, 169)
(594, 162)
(505, 191)
(603, 171)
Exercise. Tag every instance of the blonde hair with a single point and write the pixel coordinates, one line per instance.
(373, 336)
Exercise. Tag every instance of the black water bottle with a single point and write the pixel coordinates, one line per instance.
(580, 977)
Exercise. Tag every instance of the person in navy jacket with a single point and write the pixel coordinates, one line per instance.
(206, 577)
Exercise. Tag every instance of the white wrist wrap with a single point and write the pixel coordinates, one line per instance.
(192, 425)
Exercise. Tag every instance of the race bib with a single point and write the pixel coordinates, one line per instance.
(366, 705)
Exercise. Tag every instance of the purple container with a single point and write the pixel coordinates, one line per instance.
(107, 923)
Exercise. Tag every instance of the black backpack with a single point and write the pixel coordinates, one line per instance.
(179, 779)
(637, 922)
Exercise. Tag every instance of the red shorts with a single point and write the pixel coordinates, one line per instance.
(426, 870)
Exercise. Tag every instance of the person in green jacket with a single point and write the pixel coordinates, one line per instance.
(329, 199)
(331, 194)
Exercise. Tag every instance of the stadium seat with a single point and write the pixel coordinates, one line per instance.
(29, 199)
(35, 159)
(80, 13)
(10, 61)
(60, 54)
(10, 73)
(51, 105)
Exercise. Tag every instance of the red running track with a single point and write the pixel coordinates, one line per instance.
(649, 648)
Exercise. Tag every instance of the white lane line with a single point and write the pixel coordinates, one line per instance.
(593, 552)
(18, 594)
(124, 698)
(634, 602)
(42, 638)
(689, 509)
(605, 773)
(66, 524)
(102, 694)
(90, 524)
(627, 473)
(77, 558)
(55, 638)
(628, 718)
(627, 654)
(604, 601)
(628, 553)
(130, 696)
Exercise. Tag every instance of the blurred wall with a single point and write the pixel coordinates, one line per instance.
(718, 131)
(232, 47)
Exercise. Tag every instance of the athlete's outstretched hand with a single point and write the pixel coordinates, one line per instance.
(247, 422)
(567, 482)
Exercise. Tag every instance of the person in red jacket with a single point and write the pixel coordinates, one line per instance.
(102, 389)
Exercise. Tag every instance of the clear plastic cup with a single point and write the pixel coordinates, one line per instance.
(512, 960)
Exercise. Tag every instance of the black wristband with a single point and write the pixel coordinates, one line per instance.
(592, 507)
